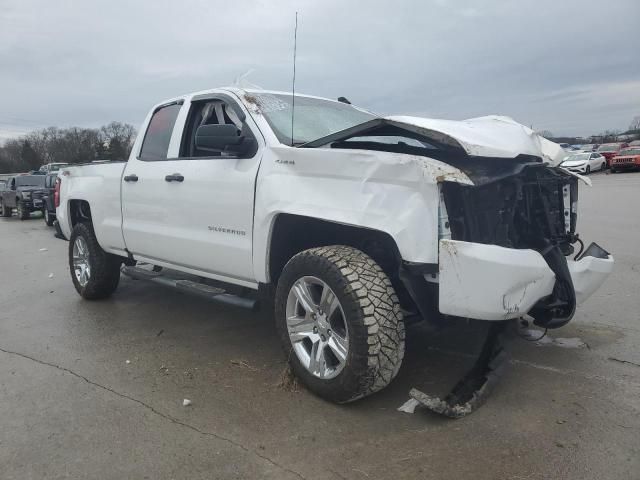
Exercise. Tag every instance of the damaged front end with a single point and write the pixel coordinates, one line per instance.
(505, 252)
(532, 208)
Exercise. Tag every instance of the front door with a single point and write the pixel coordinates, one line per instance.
(189, 208)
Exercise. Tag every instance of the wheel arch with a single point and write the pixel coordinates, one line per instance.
(79, 211)
(291, 234)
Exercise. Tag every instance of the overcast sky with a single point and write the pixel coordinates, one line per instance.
(569, 66)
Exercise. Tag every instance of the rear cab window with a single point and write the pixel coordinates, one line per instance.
(158, 135)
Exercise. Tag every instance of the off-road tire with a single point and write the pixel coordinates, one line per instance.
(372, 313)
(48, 219)
(6, 211)
(23, 212)
(105, 267)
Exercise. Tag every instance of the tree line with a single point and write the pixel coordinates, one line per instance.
(67, 145)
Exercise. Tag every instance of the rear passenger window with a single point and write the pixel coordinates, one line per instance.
(156, 140)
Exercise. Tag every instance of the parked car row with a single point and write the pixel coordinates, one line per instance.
(27, 194)
(616, 156)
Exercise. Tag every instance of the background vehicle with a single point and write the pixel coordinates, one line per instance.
(627, 159)
(48, 199)
(610, 150)
(348, 223)
(24, 193)
(52, 167)
(584, 162)
(589, 147)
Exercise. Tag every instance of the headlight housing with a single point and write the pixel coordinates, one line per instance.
(26, 195)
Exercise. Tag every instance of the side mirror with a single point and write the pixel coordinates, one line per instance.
(217, 137)
(224, 138)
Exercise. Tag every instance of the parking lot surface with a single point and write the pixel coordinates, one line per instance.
(96, 389)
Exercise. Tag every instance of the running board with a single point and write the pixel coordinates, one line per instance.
(201, 289)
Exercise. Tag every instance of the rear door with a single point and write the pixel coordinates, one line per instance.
(188, 208)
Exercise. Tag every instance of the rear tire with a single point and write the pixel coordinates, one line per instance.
(101, 271)
(48, 219)
(6, 211)
(370, 322)
(23, 212)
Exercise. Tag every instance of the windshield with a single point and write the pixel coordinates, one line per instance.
(608, 148)
(631, 151)
(30, 181)
(580, 157)
(314, 117)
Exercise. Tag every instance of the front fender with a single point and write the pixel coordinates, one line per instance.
(392, 193)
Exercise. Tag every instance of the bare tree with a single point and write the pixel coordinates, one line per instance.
(118, 139)
(635, 123)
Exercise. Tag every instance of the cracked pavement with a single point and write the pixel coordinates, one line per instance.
(72, 407)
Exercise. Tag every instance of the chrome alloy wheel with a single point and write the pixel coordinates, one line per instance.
(81, 264)
(317, 327)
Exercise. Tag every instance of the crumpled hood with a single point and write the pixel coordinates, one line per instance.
(490, 136)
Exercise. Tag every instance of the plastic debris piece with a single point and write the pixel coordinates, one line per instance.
(127, 362)
(44, 249)
(409, 406)
(186, 402)
(51, 275)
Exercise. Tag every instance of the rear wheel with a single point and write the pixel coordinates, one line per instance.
(94, 272)
(340, 322)
(48, 218)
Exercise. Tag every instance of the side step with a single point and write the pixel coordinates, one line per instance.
(189, 286)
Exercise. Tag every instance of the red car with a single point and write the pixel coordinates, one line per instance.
(610, 150)
(627, 159)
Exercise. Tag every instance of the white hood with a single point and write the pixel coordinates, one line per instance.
(490, 136)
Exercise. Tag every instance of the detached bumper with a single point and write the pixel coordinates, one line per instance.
(488, 282)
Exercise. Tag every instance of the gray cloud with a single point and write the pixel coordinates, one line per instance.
(569, 66)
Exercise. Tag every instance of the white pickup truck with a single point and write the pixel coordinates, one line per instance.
(354, 222)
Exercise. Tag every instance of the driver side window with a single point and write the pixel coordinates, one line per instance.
(213, 113)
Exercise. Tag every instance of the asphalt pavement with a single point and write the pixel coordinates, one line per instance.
(95, 389)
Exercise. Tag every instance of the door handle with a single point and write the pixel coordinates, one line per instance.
(176, 177)
(131, 178)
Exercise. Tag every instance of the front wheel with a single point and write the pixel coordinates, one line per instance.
(340, 322)
(94, 272)
(603, 167)
(588, 170)
(23, 211)
(6, 210)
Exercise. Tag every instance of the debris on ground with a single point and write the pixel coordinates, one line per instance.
(127, 362)
(51, 275)
(536, 337)
(160, 332)
(186, 402)
(409, 406)
(471, 391)
(619, 360)
(243, 364)
(44, 249)
(288, 381)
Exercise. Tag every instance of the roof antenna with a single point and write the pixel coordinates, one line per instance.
(293, 89)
